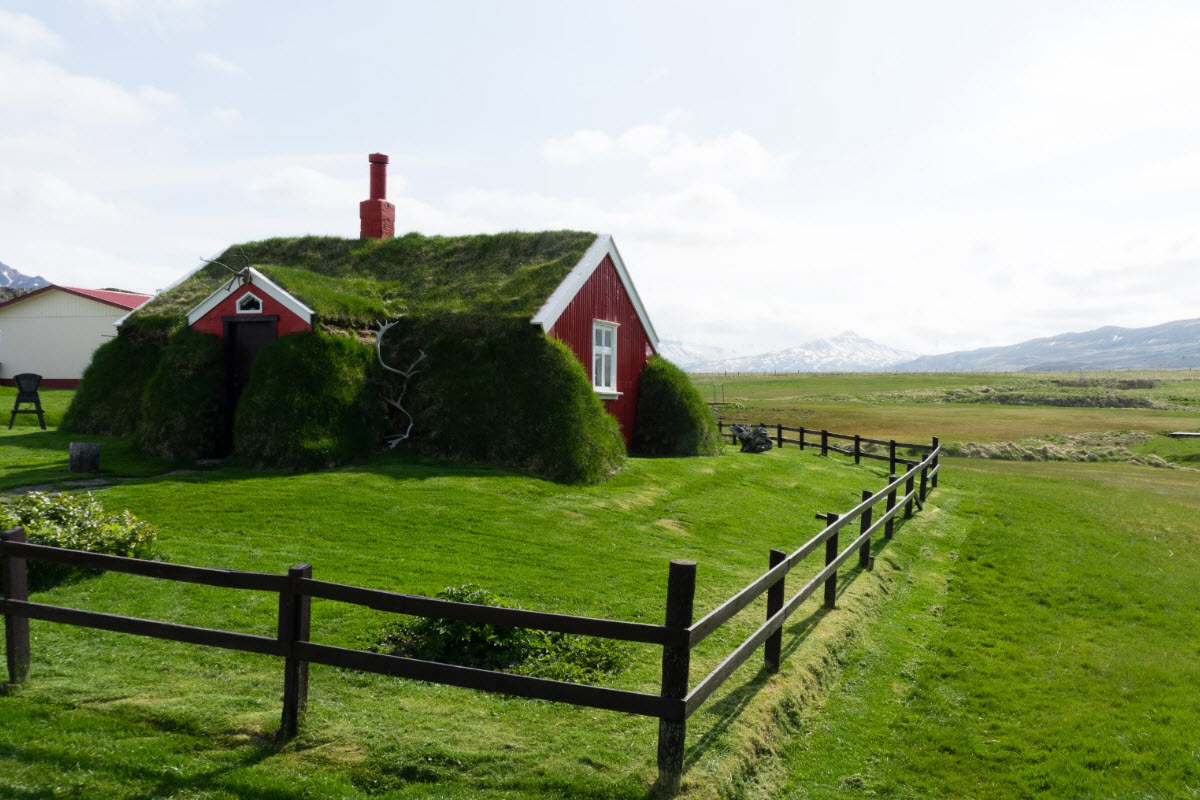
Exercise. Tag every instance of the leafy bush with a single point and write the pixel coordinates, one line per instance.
(109, 397)
(557, 656)
(501, 392)
(75, 522)
(313, 401)
(182, 403)
(672, 417)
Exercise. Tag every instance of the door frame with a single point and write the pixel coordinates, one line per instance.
(230, 404)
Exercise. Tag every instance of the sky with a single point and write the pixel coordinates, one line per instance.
(933, 175)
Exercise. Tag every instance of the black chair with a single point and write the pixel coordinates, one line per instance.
(27, 392)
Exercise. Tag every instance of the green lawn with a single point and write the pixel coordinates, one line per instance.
(1053, 655)
(108, 715)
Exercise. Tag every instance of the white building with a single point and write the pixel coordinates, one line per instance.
(54, 330)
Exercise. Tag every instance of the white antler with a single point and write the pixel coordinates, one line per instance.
(407, 374)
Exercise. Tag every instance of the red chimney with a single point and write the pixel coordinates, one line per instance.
(377, 216)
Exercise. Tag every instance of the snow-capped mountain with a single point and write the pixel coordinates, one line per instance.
(12, 279)
(686, 355)
(846, 352)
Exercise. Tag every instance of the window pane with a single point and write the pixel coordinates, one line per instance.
(597, 371)
(598, 333)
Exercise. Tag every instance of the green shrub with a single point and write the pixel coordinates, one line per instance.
(501, 392)
(109, 397)
(313, 400)
(74, 522)
(672, 417)
(557, 656)
(182, 402)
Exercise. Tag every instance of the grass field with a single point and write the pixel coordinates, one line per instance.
(106, 715)
(1030, 634)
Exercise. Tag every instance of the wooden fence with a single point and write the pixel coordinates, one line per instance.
(672, 706)
(855, 449)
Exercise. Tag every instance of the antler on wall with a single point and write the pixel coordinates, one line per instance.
(407, 374)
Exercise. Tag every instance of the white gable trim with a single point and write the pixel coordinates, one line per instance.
(262, 282)
(558, 301)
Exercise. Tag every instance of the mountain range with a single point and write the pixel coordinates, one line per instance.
(1172, 345)
(846, 352)
(11, 278)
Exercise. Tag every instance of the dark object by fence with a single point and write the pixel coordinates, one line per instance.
(27, 392)
(292, 642)
(84, 457)
(754, 439)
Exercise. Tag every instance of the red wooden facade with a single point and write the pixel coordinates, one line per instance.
(603, 298)
(213, 321)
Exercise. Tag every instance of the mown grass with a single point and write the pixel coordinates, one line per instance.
(1052, 655)
(106, 715)
(54, 404)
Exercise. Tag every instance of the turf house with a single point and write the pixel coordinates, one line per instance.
(531, 350)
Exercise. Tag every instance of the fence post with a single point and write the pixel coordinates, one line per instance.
(294, 626)
(864, 552)
(16, 629)
(801, 437)
(908, 490)
(892, 456)
(824, 442)
(774, 644)
(857, 449)
(721, 431)
(831, 554)
(936, 459)
(676, 662)
(779, 435)
(924, 482)
(890, 525)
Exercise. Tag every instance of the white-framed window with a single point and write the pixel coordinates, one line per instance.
(249, 304)
(604, 356)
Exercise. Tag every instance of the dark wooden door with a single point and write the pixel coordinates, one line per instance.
(243, 340)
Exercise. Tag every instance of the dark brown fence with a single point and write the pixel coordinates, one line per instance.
(811, 437)
(672, 706)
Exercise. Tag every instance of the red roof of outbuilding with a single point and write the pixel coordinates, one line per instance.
(125, 300)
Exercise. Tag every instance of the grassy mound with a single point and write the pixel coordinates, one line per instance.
(182, 403)
(499, 392)
(313, 401)
(109, 397)
(672, 417)
(354, 282)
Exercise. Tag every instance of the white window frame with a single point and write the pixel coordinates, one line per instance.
(238, 305)
(607, 391)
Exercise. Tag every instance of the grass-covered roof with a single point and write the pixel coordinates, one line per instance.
(353, 282)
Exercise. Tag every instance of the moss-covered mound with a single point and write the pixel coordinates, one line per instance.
(672, 417)
(182, 403)
(355, 282)
(109, 397)
(313, 400)
(500, 392)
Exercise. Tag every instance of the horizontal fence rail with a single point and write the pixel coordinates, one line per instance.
(819, 438)
(677, 637)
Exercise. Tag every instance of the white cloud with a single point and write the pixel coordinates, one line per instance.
(34, 86)
(305, 186)
(672, 154)
(216, 63)
(46, 196)
(577, 148)
(227, 116)
(25, 33)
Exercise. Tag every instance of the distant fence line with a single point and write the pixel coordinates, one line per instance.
(672, 706)
(855, 450)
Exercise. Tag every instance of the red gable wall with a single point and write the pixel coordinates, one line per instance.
(603, 297)
(288, 321)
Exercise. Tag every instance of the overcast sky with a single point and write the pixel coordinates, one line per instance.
(934, 175)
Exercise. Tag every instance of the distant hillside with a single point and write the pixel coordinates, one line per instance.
(846, 352)
(1173, 345)
(10, 278)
